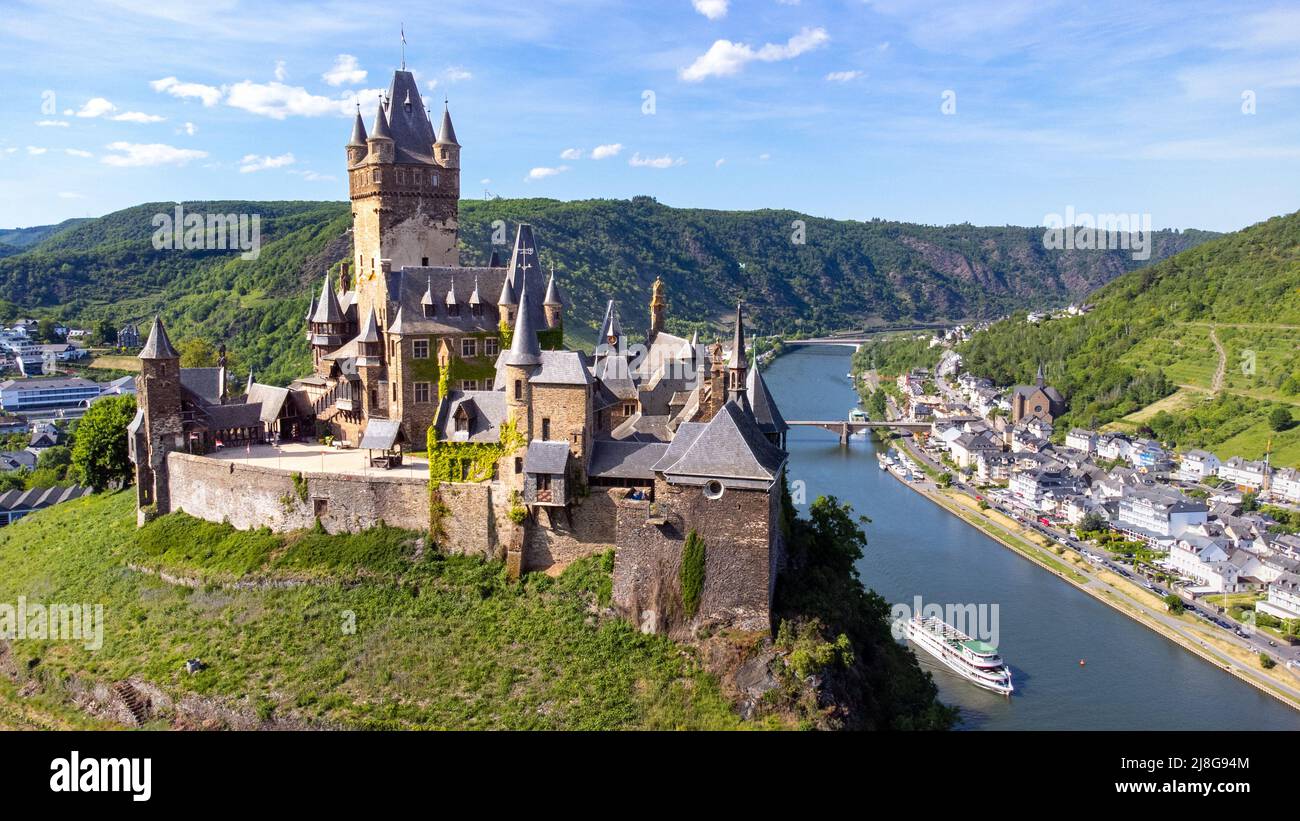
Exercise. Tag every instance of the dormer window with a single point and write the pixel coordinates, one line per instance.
(476, 310)
(453, 309)
(428, 310)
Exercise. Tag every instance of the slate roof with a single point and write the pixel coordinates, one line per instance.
(204, 383)
(611, 326)
(766, 413)
(158, 346)
(625, 460)
(270, 398)
(407, 121)
(487, 410)
(615, 374)
(730, 446)
(447, 134)
(561, 368)
(328, 309)
(546, 457)
(381, 434)
(242, 415)
(16, 459)
(524, 349)
(37, 498)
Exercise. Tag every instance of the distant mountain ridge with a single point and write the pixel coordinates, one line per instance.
(796, 273)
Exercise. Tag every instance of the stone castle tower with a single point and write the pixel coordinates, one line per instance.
(157, 428)
(404, 183)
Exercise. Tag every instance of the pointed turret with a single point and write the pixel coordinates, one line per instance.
(552, 292)
(551, 305)
(611, 331)
(447, 134)
(1039, 379)
(158, 346)
(358, 131)
(738, 365)
(327, 309)
(370, 330)
(524, 350)
(380, 131)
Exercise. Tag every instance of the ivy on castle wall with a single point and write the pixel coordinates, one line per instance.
(470, 461)
(551, 339)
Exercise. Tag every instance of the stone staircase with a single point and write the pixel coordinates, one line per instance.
(136, 704)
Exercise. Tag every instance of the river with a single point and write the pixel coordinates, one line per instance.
(1133, 678)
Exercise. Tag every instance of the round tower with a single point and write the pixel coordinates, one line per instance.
(446, 151)
(552, 305)
(381, 141)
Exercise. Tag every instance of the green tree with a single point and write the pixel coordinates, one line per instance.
(105, 333)
(1266, 661)
(99, 457)
(59, 456)
(197, 353)
(1174, 604)
(1279, 419)
(692, 573)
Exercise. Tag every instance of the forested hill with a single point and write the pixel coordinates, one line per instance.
(1220, 321)
(843, 275)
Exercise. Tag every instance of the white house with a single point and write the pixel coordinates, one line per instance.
(1113, 446)
(1286, 484)
(1080, 439)
(1154, 516)
(1197, 465)
(967, 446)
(1283, 597)
(1206, 560)
(1031, 487)
(1243, 473)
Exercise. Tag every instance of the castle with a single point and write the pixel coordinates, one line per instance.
(537, 455)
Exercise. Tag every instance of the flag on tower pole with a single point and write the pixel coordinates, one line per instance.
(402, 28)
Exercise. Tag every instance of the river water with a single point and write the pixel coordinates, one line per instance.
(1133, 678)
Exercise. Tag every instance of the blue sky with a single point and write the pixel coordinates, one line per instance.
(832, 108)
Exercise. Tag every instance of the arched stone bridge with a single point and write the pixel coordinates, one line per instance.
(846, 429)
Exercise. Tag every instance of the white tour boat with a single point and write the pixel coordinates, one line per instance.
(972, 659)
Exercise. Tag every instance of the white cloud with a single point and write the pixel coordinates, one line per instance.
(765, 157)
(142, 154)
(36, 151)
(280, 72)
(725, 58)
(542, 172)
(71, 195)
(96, 107)
(190, 129)
(712, 9)
(138, 117)
(843, 76)
(77, 152)
(485, 181)
(666, 161)
(210, 95)
(345, 71)
(277, 100)
(52, 123)
(259, 162)
(457, 74)
(601, 152)
(571, 154)
(720, 161)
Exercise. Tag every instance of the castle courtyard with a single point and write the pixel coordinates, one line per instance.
(312, 458)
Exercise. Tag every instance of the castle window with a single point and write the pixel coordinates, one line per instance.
(491, 347)
(401, 176)
(374, 398)
(435, 179)
(629, 408)
(377, 176)
(519, 389)
(519, 465)
(546, 428)
(476, 310)
(713, 489)
(319, 507)
(469, 346)
(428, 311)
(420, 348)
(469, 385)
(453, 309)
(421, 391)
(424, 262)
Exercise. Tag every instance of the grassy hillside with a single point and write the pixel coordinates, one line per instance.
(844, 275)
(439, 641)
(1212, 334)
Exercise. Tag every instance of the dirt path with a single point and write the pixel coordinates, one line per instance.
(1220, 373)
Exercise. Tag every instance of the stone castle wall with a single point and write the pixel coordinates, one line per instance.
(587, 528)
(476, 520)
(743, 553)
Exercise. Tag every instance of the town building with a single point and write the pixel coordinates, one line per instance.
(1198, 465)
(1245, 474)
(1037, 400)
(1080, 439)
(1285, 485)
(34, 394)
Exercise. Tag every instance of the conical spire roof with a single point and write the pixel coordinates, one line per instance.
(358, 131)
(507, 296)
(380, 131)
(249, 387)
(611, 326)
(552, 292)
(327, 306)
(451, 293)
(474, 298)
(524, 349)
(427, 299)
(158, 346)
(446, 134)
(369, 331)
(738, 360)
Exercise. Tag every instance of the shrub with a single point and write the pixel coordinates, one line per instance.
(692, 573)
(1266, 661)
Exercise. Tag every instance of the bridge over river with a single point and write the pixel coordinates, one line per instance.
(845, 429)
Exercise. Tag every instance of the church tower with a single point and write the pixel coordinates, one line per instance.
(404, 183)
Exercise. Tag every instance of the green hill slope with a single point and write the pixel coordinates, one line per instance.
(1219, 324)
(846, 274)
